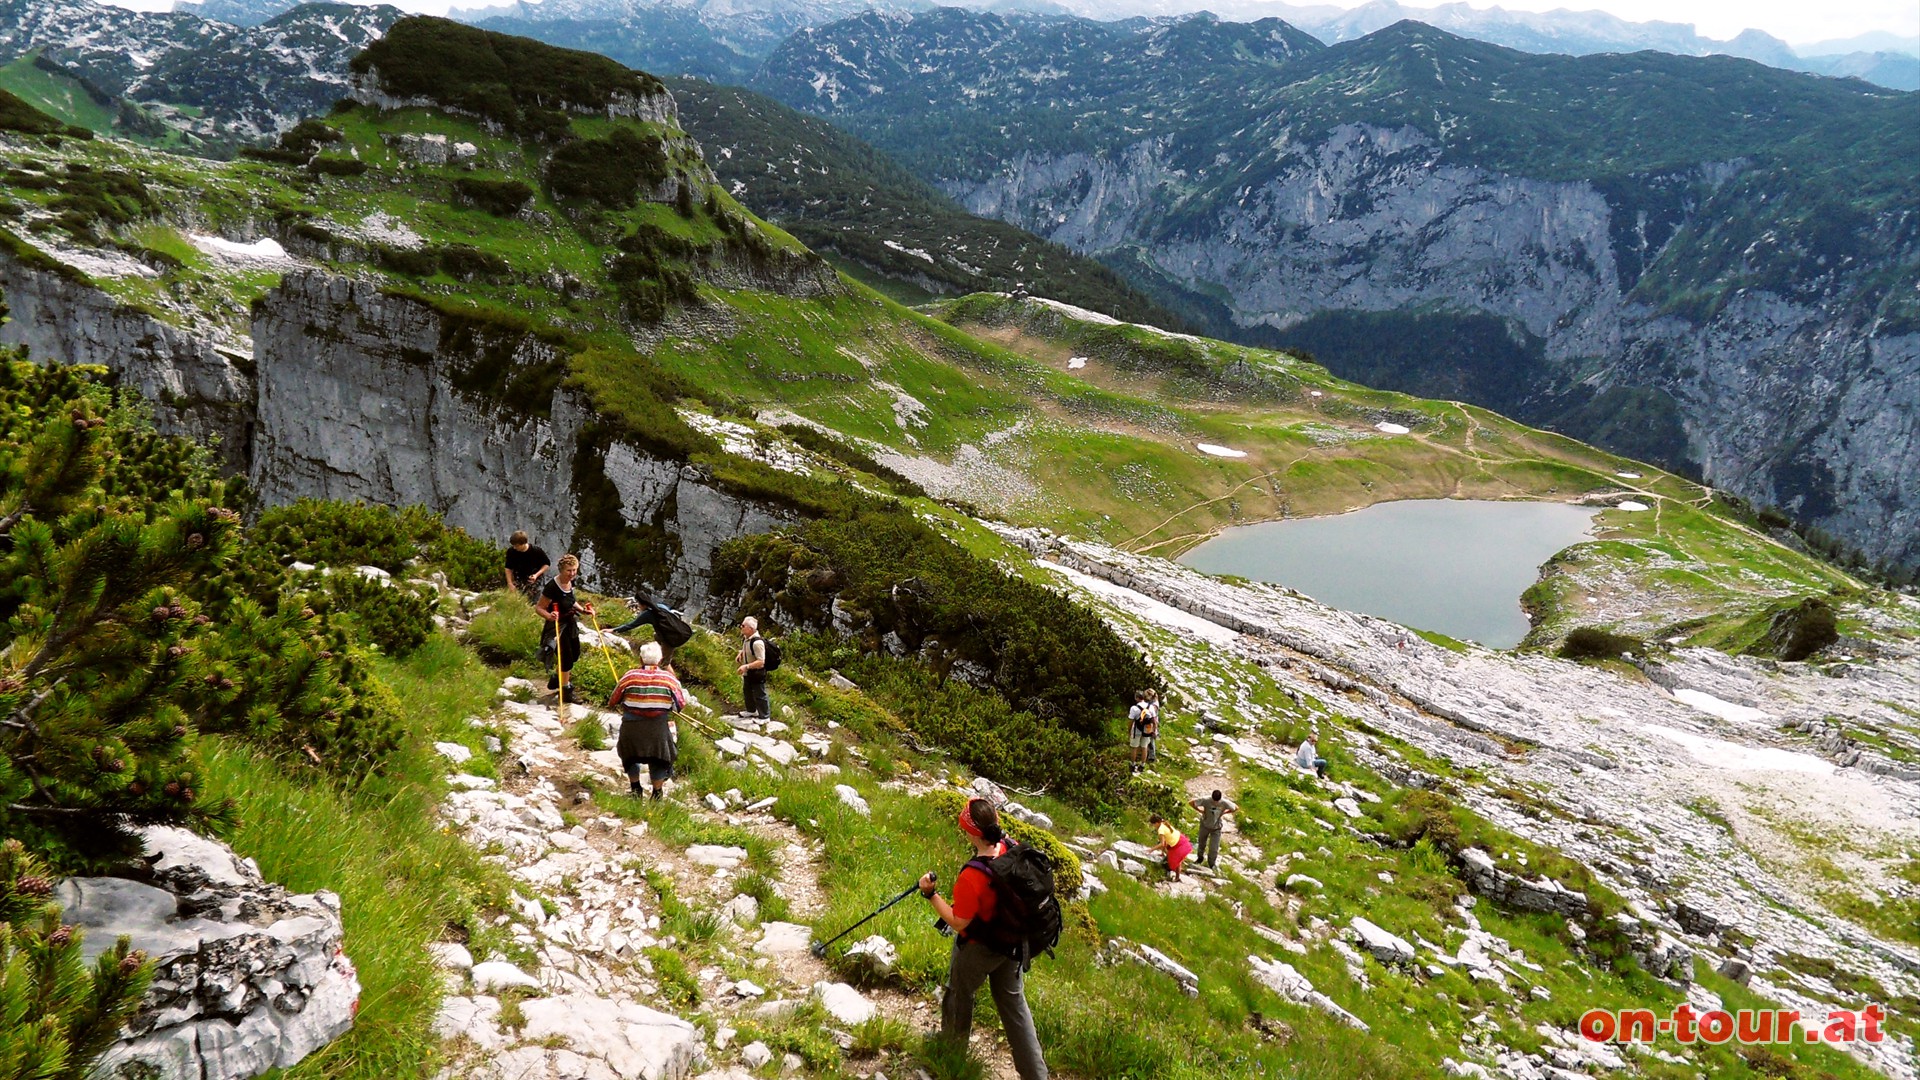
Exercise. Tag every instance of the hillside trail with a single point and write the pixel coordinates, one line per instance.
(588, 938)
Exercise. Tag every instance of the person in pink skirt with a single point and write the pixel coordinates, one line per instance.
(1174, 843)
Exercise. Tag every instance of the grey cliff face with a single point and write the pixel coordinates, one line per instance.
(1792, 401)
(359, 398)
(199, 389)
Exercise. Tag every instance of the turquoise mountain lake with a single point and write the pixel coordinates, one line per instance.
(1453, 565)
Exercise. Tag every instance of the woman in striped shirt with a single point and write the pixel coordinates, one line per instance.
(647, 698)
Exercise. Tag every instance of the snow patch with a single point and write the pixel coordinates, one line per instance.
(1725, 710)
(1393, 429)
(1733, 757)
(1628, 475)
(1214, 450)
(1075, 363)
(265, 251)
(1145, 607)
(917, 253)
(1631, 506)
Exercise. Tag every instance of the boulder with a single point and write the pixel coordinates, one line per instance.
(1282, 979)
(635, 1042)
(877, 954)
(500, 975)
(844, 1003)
(852, 798)
(755, 1054)
(454, 752)
(716, 856)
(451, 956)
(1385, 947)
(783, 939)
(249, 977)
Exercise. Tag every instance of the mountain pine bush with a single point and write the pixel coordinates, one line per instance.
(135, 613)
(56, 1016)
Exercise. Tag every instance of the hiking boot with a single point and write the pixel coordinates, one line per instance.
(633, 787)
(657, 795)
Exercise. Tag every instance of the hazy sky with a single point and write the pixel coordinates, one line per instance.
(1797, 21)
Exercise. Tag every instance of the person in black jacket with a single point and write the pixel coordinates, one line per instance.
(560, 608)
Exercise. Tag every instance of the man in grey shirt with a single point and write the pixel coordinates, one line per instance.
(1213, 816)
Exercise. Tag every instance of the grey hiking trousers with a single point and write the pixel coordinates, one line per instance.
(1208, 849)
(972, 965)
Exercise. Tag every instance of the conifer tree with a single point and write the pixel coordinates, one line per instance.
(98, 633)
(56, 1016)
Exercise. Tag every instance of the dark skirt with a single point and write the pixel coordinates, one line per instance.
(646, 737)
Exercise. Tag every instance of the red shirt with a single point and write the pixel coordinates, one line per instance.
(973, 897)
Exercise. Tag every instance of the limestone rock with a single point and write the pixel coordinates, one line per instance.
(719, 857)
(783, 939)
(452, 956)
(877, 954)
(853, 799)
(249, 977)
(844, 1003)
(500, 975)
(755, 1054)
(1387, 948)
(1282, 979)
(637, 1043)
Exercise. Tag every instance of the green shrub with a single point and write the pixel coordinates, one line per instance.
(341, 534)
(1798, 630)
(1595, 643)
(501, 198)
(395, 617)
(413, 262)
(334, 165)
(469, 263)
(1043, 653)
(18, 116)
(60, 1016)
(507, 631)
(608, 171)
(589, 733)
(514, 81)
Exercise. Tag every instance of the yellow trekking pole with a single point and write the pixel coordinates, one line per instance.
(559, 672)
(604, 651)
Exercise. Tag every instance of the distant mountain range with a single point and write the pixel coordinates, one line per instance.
(1698, 260)
(221, 84)
(725, 40)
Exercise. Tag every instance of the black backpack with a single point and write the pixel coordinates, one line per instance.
(772, 654)
(670, 629)
(1026, 915)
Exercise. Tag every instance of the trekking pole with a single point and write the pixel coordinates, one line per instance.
(604, 651)
(820, 950)
(559, 672)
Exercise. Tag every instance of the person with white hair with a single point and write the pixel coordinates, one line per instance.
(753, 668)
(647, 697)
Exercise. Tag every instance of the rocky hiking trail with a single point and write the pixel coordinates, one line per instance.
(587, 1001)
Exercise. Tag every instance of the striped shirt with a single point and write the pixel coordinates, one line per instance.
(649, 690)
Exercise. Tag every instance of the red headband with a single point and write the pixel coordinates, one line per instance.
(967, 824)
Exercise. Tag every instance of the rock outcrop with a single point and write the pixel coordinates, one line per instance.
(1785, 399)
(365, 395)
(250, 977)
(199, 385)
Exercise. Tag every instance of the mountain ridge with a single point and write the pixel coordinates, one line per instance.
(1602, 207)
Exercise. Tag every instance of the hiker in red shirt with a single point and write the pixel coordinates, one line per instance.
(974, 962)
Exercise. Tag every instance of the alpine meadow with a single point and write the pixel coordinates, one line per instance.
(635, 539)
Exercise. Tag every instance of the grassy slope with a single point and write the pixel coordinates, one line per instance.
(980, 400)
(404, 884)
